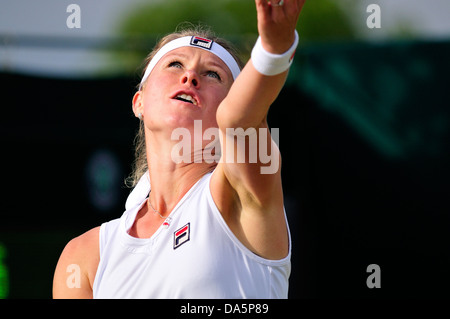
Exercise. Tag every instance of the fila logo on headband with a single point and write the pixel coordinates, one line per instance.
(201, 42)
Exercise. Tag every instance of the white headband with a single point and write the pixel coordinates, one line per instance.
(198, 42)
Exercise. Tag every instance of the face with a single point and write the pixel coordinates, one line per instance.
(187, 84)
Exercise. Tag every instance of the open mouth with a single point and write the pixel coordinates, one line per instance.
(186, 98)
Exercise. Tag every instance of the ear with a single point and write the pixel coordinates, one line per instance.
(138, 105)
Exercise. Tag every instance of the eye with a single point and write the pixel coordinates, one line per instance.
(175, 64)
(213, 74)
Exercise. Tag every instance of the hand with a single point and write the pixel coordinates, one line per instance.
(276, 24)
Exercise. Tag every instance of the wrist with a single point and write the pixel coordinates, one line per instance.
(270, 64)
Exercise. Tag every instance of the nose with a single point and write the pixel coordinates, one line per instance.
(190, 77)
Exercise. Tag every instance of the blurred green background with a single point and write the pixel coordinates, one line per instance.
(363, 123)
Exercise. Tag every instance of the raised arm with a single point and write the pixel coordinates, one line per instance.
(251, 95)
(256, 212)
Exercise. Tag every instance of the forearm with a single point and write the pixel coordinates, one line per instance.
(249, 99)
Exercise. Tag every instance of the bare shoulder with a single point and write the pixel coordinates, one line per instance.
(85, 243)
(77, 265)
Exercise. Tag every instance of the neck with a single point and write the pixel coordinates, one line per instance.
(170, 181)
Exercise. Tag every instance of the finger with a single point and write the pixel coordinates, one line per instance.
(289, 9)
(262, 4)
(294, 6)
(263, 11)
(287, 5)
(278, 8)
(276, 3)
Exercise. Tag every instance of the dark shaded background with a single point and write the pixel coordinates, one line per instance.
(364, 136)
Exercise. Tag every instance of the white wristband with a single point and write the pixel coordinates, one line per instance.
(272, 64)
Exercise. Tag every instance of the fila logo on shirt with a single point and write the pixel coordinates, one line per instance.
(201, 42)
(181, 236)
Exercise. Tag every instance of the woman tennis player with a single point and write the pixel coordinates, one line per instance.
(197, 228)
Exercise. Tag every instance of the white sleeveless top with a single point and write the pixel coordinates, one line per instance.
(195, 256)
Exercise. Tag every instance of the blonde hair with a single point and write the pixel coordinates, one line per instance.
(140, 164)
